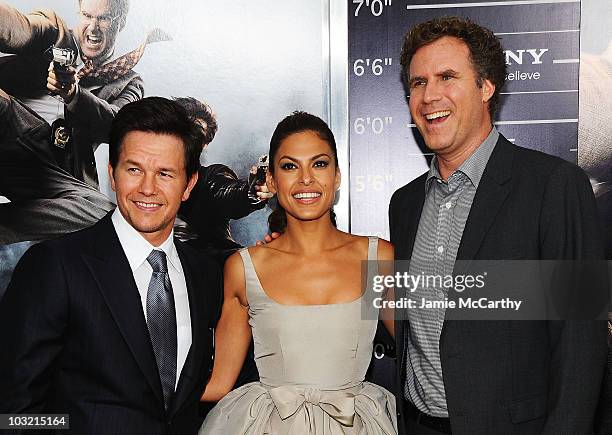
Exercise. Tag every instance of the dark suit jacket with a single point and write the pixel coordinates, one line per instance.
(523, 377)
(25, 75)
(75, 340)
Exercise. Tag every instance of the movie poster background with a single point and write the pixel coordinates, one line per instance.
(252, 62)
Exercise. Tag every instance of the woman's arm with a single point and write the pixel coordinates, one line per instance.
(233, 333)
(386, 255)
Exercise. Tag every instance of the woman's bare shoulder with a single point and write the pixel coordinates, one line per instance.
(263, 252)
(234, 282)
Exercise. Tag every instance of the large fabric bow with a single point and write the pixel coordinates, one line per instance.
(339, 405)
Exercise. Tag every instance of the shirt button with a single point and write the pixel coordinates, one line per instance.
(449, 204)
(440, 249)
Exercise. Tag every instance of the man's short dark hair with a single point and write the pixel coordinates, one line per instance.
(202, 114)
(119, 9)
(157, 115)
(486, 53)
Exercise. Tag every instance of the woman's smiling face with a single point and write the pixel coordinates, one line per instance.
(305, 176)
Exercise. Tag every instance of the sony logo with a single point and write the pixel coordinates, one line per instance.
(530, 55)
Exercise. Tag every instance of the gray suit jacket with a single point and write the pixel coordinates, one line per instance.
(522, 377)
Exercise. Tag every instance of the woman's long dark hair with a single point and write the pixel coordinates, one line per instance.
(297, 122)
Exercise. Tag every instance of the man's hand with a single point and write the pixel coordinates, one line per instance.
(260, 187)
(268, 238)
(262, 192)
(63, 84)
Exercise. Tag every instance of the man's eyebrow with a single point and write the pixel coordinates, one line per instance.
(415, 78)
(130, 162)
(449, 71)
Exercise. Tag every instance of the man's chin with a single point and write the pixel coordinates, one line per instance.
(147, 226)
(92, 53)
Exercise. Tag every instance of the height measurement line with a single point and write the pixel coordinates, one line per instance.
(566, 60)
(537, 121)
(538, 92)
(538, 31)
(470, 5)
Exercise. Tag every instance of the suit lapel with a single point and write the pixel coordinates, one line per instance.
(492, 192)
(111, 270)
(191, 368)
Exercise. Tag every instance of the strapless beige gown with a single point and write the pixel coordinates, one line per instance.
(312, 362)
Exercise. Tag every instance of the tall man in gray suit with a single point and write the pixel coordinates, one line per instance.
(484, 198)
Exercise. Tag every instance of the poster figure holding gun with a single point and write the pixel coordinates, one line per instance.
(257, 176)
(52, 182)
(60, 81)
(63, 60)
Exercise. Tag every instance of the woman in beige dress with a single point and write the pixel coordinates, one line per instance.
(302, 299)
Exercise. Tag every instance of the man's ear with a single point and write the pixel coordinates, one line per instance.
(488, 89)
(190, 185)
(111, 178)
(270, 182)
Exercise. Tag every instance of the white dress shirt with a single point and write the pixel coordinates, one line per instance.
(137, 249)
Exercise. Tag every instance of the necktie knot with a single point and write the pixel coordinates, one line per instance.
(157, 260)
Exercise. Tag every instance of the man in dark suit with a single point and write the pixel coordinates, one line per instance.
(113, 324)
(487, 199)
(81, 113)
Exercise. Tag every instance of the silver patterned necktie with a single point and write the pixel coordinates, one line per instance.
(161, 321)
